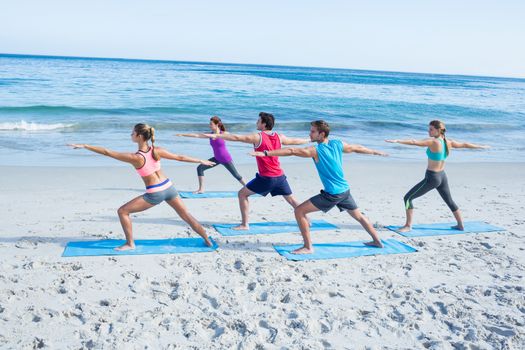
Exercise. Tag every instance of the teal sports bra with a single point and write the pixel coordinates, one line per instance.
(437, 156)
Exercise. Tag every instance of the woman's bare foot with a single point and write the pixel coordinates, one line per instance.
(241, 227)
(458, 227)
(405, 229)
(303, 250)
(377, 244)
(124, 247)
(208, 242)
(199, 191)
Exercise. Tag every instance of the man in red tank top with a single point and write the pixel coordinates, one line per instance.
(270, 177)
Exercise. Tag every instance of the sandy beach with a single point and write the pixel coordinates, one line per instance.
(457, 292)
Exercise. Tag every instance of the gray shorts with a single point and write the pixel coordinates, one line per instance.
(161, 196)
(325, 201)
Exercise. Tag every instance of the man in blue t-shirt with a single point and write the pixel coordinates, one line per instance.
(328, 159)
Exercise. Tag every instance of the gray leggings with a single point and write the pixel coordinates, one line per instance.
(229, 166)
(433, 179)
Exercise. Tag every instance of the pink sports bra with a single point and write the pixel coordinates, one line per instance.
(150, 164)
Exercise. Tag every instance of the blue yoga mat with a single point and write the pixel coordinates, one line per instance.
(143, 247)
(344, 250)
(442, 229)
(211, 194)
(260, 228)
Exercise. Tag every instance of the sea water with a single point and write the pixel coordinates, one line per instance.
(47, 102)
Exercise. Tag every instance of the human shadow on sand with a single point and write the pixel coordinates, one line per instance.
(31, 242)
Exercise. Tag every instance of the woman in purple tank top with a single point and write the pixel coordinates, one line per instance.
(220, 153)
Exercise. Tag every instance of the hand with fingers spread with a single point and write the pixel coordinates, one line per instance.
(76, 145)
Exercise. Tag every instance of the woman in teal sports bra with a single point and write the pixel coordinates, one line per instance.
(438, 149)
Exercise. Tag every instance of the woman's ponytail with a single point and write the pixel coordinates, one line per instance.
(153, 153)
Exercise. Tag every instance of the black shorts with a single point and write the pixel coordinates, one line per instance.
(276, 186)
(325, 201)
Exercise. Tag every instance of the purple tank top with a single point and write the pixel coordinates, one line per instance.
(219, 151)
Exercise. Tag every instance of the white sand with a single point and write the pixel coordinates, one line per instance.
(462, 291)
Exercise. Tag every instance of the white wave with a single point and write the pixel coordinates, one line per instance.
(23, 125)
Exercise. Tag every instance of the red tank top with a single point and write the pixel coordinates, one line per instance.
(269, 166)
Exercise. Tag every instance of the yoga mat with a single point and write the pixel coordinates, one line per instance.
(211, 194)
(260, 228)
(143, 247)
(344, 250)
(441, 229)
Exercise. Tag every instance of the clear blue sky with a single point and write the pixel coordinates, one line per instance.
(437, 36)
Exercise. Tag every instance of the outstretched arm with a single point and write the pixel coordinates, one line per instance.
(253, 138)
(131, 158)
(362, 149)
(293, 141)
(457, 144)
(199, 136)
(420, 143)
(307, 152)
(180, 157)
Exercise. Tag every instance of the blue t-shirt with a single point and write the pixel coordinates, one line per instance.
(330, 166)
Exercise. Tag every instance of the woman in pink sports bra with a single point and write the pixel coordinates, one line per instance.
(158, 187)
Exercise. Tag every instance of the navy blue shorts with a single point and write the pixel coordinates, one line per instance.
(276, 186)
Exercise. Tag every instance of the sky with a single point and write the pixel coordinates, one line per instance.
(428, 36)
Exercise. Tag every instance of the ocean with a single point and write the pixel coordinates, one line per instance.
(47, 102)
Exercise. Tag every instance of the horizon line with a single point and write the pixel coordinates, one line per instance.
(244, 64)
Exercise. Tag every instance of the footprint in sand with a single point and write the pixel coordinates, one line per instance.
(38, 343)
(175, 292)
(263, 296)
(273, 331)
(297, 324)
(218, 330)
(397, 316)
(286, 299)
(26, 244)
(239, 326)
(501, 330)
(486, 245)
(213, 301)
(238, 264)
(442, 308)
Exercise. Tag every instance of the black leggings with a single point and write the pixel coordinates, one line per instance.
(433, 179)
(231, 168)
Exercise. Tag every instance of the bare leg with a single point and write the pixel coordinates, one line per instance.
(242, 182)
(356, 214)
(177, 204)
(300, 215)
(459, 219)
(244, 205)
(294, 203)
(135, 205)
(408, 223)
(201, 185)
